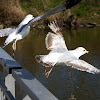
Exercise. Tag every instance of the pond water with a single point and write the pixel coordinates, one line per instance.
(64, 82)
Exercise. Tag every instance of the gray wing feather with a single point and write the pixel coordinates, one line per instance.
(5, 32)
(83, 66)
(54, 41)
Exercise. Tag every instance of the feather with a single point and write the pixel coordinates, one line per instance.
(54, 41)
(83, 66)
(5, 32)
(39, 59)
(56, 26)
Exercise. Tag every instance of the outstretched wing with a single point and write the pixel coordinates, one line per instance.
(56, 26)
(83, 66)
(5, 32)
(54, 41)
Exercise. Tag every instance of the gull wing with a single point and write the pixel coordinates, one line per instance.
(5, 32)
(83, 66)
(54, 41)
(60, 8)
(56, 26)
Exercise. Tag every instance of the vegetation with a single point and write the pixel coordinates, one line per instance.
(10, 12)
(88, 9)
(13, 11)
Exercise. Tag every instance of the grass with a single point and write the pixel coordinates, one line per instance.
(15, 10)
(10, 12)
(88, 10)
(54, 3)
(84, 9)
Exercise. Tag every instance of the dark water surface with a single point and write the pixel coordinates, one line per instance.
(64, 82)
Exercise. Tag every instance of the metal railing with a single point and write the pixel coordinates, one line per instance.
(14, 76)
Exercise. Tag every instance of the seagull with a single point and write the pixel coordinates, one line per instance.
(14, 35)
(59, 53)
(23, 28)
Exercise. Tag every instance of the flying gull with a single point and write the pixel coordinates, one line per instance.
(13, 34)
(24, 27)
(60, 54)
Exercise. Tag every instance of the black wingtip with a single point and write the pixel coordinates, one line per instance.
(71, 3)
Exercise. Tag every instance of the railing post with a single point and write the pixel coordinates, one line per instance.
(27, 98)
(10, 84)
(0, 93)
(30, 87)
(23, 95)
(8, 64)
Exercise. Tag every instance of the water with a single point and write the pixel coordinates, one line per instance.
(64, 82)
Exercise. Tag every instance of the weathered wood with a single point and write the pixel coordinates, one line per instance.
(8, 62)
(33, 88)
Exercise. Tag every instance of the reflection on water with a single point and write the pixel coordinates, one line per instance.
(64, 82)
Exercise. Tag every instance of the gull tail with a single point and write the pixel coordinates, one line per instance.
(39, 59)
(56, 26)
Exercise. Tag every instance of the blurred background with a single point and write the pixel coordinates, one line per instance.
(79, 30)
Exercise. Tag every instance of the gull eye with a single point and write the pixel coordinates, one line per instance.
(83, 50)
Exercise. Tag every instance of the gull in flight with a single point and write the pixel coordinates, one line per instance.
(14, 35)
(60, 54)
(23, 28)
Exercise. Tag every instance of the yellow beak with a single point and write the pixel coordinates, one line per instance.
(87, 52)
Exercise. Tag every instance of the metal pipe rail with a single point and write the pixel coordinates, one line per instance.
(14, 76)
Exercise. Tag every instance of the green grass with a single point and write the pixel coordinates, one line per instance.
(29, 6)
(85, 9)
(54, 3)
(88, 10)
(82, 9)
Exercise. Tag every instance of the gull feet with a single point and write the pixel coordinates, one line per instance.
(44, 71)
(47, 74)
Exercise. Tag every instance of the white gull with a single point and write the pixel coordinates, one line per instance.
(13, 34)
(24, 27)
(60, 54)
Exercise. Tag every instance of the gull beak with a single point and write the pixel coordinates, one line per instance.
(87, 52)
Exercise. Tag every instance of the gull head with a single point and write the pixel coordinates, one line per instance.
(80, 51)
(29, 16)
(26, 19)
